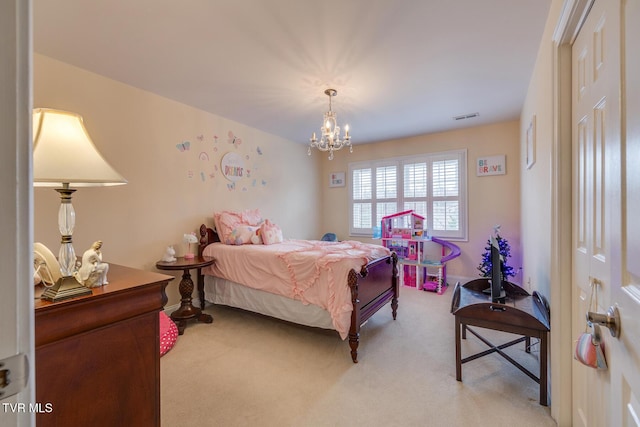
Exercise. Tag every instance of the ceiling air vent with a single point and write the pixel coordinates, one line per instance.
(466, 116)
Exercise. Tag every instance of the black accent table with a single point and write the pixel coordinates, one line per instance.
(521, 314)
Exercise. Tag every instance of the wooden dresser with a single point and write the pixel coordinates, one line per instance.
(97, 357)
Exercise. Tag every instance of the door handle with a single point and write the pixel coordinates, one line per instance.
(611, 320)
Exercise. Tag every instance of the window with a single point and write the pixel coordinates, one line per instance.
(361, 198)
(386, 185)
(432, 185)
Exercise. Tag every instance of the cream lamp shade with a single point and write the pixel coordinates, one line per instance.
(64, 153)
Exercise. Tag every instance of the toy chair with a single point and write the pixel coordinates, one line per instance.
(436, 254)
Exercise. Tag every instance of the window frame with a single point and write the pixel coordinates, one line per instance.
(399, 162)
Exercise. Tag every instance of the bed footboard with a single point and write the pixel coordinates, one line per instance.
(371, 289)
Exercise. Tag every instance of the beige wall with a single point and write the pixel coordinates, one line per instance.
(170, 192)
(536, 181)
(537, 211)
(492, 199)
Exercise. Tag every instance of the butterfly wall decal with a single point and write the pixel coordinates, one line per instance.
(183, 146)
(234, 140)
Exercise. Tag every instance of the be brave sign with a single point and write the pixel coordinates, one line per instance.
(493, 165)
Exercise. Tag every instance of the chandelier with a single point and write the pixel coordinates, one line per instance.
(330, 132)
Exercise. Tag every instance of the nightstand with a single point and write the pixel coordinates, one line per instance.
(187, 311)
(98, 356)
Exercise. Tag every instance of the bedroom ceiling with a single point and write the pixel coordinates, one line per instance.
(401, 67)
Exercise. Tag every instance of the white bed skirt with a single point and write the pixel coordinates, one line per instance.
(226, 292)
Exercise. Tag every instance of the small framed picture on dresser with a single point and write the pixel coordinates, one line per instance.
(336, 179)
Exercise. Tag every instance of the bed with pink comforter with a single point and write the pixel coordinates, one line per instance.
(350, 280)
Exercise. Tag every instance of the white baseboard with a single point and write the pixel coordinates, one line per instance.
(451, 280)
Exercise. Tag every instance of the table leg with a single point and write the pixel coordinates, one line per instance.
(200, 279)
(543, 368)
(187, 311)
(458, 351)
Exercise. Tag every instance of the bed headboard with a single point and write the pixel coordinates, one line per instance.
(207, 236)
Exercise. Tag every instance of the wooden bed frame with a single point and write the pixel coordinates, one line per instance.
(372, 287)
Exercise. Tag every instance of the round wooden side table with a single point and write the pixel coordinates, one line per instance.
(187, 311)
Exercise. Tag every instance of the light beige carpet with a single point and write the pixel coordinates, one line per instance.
(249, 370)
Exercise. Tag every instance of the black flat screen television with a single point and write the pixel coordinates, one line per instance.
(498, 294)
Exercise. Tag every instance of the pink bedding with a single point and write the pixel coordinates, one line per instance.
(313, 272)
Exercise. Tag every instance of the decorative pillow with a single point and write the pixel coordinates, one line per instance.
(168, 333)
(241, 235)
(251, 217)
(227, 221)
(256, 239)
(270, 233)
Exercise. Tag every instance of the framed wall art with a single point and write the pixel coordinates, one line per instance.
(336, 179)
(492, 165)
(530, 153)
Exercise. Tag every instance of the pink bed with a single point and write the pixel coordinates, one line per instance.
(349, 280)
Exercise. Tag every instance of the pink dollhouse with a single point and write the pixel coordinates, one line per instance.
(422, 259)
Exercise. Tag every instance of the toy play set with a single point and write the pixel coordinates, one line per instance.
(422, 259)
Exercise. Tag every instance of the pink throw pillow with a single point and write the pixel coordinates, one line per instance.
(251, 217)
(270, 233)
(242, 234)
(227, 221)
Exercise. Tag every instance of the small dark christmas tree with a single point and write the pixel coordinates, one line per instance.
(505, 252)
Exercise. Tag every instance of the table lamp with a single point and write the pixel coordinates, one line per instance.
(64, 157)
